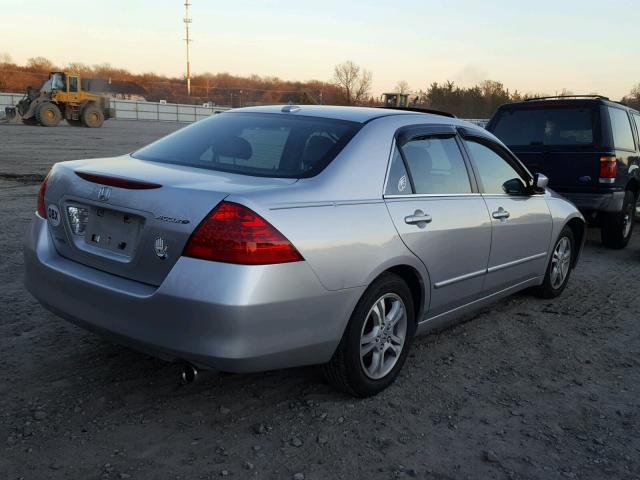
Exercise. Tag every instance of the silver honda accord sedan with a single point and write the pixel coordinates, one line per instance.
(272, 237)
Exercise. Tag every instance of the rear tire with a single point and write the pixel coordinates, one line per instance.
(376, 341)
(560, 266)
(92, 117)
(617, 227)
(48, 114)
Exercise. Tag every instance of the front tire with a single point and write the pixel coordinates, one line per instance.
(48, 114)
(375, 343)
(617, 227)
(560, 265)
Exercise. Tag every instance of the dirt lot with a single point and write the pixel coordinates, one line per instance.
(528, 389)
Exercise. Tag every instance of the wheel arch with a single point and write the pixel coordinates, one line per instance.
(416, 283)
(633, 186)
(579, 229)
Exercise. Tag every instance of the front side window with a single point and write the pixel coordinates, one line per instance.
(621, 129)
(268, 145)
(437, 166)
(496, 174)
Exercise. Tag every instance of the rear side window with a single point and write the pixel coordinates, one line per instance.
(636, 118)
(621, 129)
(398, 180)
(436, 166)
(258, 144)
(548, 125)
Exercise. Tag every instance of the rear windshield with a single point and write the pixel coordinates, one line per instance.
(257, 144)
(546, 126)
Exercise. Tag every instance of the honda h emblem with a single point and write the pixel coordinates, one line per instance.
(104, 193)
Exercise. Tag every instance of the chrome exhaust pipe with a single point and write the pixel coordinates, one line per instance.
(189, 374)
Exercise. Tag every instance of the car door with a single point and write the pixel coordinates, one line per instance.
(433, 200)
(520, 219)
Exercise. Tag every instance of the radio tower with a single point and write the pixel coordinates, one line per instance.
(187, 21)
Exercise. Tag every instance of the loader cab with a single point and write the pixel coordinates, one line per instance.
(56, 81)
(395, 100)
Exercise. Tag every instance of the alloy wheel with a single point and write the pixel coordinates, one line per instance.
(560, 262)
(383, 336)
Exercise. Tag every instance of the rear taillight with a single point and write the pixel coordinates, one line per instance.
(233, 233)
(608, 169)
(42, 209)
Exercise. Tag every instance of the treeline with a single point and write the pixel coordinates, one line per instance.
(219, 88)
(479, 101)
(349, 85)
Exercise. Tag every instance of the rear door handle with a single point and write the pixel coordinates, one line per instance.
(418, 218)
(501, 214)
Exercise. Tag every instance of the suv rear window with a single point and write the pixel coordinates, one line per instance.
(257, 144)
(546, 126)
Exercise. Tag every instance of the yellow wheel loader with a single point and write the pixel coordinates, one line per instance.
(61, 98)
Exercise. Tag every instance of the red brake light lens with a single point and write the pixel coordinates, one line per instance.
(608, 167)
(42, 209)
(233, 233)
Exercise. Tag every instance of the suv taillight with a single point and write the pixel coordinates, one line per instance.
(608, 169)
(42, 209)
(233, 233)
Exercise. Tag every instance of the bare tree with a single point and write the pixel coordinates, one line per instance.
(40, 64)
(402, 87)
(354, 81)
(5, 58)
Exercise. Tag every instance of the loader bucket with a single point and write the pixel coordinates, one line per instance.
(11, 115)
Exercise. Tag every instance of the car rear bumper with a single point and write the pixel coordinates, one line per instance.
(228, 317)
(596, 202)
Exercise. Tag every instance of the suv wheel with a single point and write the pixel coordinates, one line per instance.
(375, 344)
(617, 227)
(559, 269)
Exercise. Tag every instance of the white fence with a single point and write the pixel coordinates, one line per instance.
(9, 100)
(162, 112)
(158, 112)
(132, 110)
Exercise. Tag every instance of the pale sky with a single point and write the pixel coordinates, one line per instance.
(538, 46)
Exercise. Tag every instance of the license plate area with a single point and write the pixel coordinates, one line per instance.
(112, 230)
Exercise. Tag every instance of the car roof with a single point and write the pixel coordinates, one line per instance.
(581, 101)
(353, 114)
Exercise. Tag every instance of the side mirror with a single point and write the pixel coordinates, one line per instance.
(540, 182)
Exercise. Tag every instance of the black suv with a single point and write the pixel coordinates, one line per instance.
(588, 146)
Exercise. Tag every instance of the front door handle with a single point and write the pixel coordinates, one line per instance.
(418, 218)
(501, 214)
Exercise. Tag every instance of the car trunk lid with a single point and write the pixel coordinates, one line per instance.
(132, 217)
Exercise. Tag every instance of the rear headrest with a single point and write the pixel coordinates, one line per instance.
(234, 147)
(418, 158)
(317, 147)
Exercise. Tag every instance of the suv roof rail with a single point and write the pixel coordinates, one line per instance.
(557, 97)
(421, 110)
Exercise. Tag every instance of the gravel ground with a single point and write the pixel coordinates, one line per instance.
(529, 389)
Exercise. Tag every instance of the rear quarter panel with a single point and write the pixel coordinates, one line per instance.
(338, 219)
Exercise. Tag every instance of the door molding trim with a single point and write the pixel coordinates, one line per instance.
(466, 276)
(469, 276)
(516, 262)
